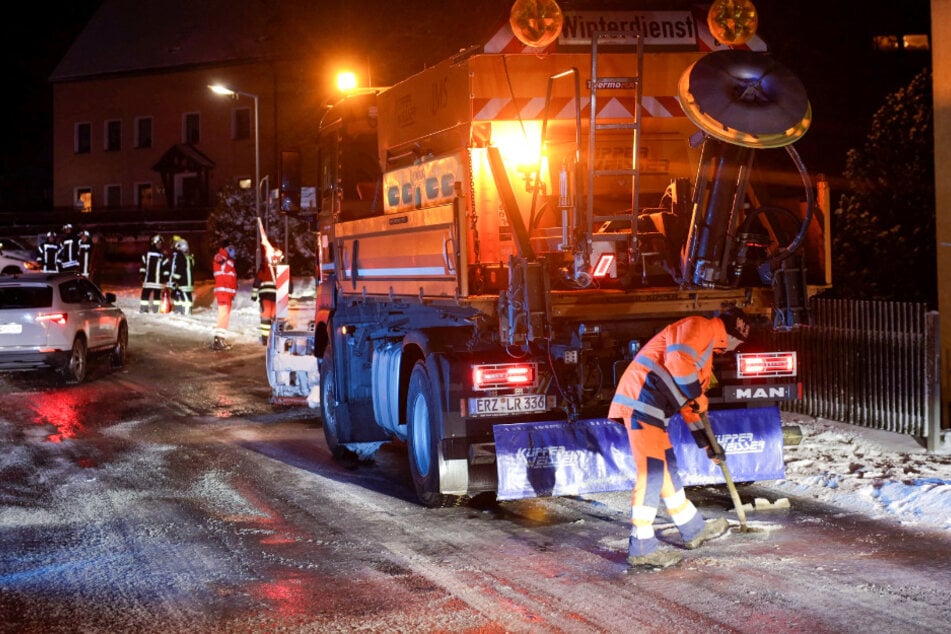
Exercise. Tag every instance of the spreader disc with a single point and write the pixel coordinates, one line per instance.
(745, 98)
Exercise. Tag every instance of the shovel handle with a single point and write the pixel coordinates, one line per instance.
(737, 504)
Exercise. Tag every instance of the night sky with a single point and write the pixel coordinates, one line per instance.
(34, 38)
(826, 43)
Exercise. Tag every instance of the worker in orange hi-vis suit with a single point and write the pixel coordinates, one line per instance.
(671, 373)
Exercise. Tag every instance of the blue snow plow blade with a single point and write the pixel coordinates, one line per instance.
(594, 456)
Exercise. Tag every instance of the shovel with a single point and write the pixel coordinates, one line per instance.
(737, 504)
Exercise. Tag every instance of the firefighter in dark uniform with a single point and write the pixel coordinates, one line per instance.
(68, 256)
(264, 290)
(84, 253)
(153, 265)
(48, 252)
(180, 277)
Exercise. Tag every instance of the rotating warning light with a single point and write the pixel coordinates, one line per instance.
(346, 81)
(536, 23)
(732, 22)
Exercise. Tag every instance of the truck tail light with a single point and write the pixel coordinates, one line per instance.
(504, 376)
(766, 364)
(56, 318)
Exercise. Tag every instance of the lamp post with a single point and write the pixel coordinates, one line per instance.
(218, 89)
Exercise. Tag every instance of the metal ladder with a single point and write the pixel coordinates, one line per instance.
(596, 84)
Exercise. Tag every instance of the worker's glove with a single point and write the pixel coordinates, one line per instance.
(694, 406)
(716, 455)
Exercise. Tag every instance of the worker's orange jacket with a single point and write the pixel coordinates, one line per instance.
(670, 373)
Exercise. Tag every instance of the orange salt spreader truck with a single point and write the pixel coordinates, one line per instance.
(501, 232)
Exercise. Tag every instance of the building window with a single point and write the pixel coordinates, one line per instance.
(83, 140)
(143, 195)
(241, 124)
(143, 132)
(190, 129)
(113, 196)
(113, 132)
(82, 198)
(891, 43)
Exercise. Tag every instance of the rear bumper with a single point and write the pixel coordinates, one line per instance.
(17, 360)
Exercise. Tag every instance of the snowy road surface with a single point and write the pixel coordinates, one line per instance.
(171, 497)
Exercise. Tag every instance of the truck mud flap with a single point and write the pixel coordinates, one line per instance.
(559, 458)
(752, 439)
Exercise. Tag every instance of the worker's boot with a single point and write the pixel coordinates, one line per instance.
(711, 530)
(219, 344)
(660, 558)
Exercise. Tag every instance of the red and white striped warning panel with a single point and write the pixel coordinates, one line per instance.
(499, 108)
(282, 273)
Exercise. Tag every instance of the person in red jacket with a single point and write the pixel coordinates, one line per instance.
(671, 373)
(226, 287)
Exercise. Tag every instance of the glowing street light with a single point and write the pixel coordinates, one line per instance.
(218, 89)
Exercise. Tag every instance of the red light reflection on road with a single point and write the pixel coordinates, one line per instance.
(287, 596)
(62, 410)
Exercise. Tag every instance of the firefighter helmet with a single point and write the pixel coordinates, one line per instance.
(67, 228)
(51, 236)
(181, 245)
(277, 256)
(84, 235)
(157, 240)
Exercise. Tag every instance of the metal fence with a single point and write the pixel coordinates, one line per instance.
(870, 363)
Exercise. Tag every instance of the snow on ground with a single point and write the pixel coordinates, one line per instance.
(245, 314)
(880, 474)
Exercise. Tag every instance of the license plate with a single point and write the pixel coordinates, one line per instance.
(508, 405)
(11, 329)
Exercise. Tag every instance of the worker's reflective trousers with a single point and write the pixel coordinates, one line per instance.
(657, 480)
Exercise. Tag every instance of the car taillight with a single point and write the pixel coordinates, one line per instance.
(765, 364)
(55, 318)
(503, 375)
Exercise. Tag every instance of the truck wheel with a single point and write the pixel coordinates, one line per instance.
(328, 406)
(75, 368)
(423, 418)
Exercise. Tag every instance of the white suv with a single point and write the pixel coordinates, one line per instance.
(10, 264)
(55, 320)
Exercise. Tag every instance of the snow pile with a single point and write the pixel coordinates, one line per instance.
(877, 473)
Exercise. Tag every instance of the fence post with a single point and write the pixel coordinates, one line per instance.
(932, 381)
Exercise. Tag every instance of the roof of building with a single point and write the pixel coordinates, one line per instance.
(135, 36)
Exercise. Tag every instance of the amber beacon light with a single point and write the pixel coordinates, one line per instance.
(536, 23)
(732, 22)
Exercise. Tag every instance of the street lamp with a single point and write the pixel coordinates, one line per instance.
(218, 89)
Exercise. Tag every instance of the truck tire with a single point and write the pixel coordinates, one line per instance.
(328, 406)
(424, 416)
